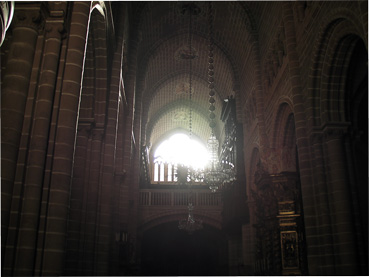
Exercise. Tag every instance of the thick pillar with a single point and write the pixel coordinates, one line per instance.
(75, 244)
(308, 197)
(325, 241)
(29, 220)
(14, 91)
(59, 193)
(105, 239)
(129, 148)
(346, 259)
(260, 93)
(92, 198)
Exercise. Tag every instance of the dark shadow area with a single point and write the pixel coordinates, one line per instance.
(357, 114)
(166, 250)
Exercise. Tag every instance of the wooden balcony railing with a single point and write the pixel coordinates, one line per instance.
(177, 197)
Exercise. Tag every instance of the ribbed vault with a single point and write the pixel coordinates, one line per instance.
(164, 66)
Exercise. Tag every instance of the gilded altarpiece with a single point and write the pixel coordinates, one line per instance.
(280, 245)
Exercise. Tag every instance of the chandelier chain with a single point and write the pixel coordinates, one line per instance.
(218, 175)
(190, 92)
(211, 70)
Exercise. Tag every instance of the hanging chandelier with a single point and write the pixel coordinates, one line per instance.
(190, 224)
(218, 174)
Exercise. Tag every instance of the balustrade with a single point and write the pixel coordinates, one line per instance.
(175, 197)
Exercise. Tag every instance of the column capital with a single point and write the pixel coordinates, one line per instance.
(56, 19)
(335, 130)
(29, 15)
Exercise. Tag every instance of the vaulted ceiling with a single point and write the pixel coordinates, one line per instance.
(164, 67)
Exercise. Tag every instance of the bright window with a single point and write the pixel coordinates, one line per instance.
(178, 149)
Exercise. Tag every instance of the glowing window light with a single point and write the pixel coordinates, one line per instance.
(180, 149)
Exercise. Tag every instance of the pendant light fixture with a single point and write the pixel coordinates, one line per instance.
(218, 175)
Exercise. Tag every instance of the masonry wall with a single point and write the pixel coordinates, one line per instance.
(291, 58)
(64, 110)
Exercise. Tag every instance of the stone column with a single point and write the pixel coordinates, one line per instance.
(346, 259)
(92, 202)
(78, 194)
(29, 220)
(105, 241)
(14, 91)
(59, 193)
(308, 197)
(260, 93)
(325, 247)
(129, 147)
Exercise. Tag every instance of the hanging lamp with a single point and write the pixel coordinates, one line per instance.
(218, 174)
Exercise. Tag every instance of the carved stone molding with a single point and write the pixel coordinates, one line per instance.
(55, 22)
(335, 131)
(30, 16)
(54, 30)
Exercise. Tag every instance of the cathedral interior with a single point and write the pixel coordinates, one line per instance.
(180, 138)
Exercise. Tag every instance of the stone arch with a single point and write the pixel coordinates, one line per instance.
(201, 34)
(198, 35)
(196, 109)
(281, 114)
(338, 85)
(248, 21)
(197, 80)
(176, 216)
(172, 132)
(284, 139)
(152, 92)
(336, 39)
